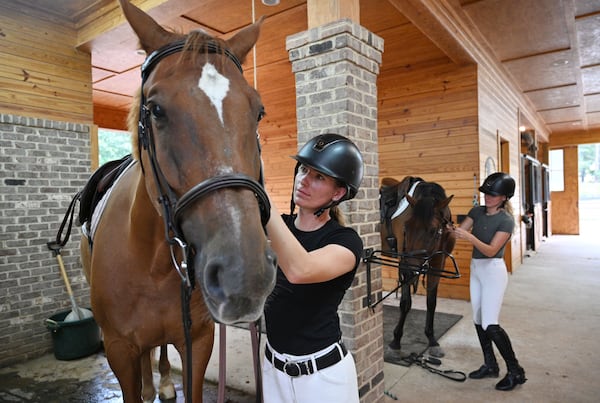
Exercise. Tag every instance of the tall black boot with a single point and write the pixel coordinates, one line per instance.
(490, 367)
(516, 374)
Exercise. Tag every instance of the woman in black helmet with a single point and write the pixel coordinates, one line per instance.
(491, 227)
(305, 359)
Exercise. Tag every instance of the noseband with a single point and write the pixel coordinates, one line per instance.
(172, 206)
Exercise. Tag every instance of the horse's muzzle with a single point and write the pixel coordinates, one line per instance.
(235, 288)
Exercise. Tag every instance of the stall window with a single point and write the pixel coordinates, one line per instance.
(557, 170)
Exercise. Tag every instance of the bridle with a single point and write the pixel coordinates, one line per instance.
(423, 256)
(174, 207)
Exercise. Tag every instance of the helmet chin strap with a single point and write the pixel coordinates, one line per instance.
(320, 211)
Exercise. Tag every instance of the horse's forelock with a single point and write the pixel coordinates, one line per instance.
(197, 42)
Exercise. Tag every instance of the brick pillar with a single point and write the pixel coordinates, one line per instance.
(336, 67)
(42, 165)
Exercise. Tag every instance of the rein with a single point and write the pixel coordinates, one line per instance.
(424, 362)
(172, 206)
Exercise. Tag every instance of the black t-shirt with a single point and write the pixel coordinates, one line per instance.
(302, 318)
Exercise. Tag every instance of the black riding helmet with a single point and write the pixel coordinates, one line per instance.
(335, 156)
(498, 184)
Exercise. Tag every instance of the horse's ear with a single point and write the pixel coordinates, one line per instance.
(411, 200)
(444, 203)
(241, 43)
(151, 35)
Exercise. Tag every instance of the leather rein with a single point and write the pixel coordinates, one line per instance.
(172, 206)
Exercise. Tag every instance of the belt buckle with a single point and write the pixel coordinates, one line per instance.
(291, 368)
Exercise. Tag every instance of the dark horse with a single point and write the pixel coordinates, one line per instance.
(190, 208)
(414, 225)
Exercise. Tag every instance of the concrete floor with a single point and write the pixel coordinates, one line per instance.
(550, 312)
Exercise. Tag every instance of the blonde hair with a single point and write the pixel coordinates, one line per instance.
(336, 213)
(508, 207)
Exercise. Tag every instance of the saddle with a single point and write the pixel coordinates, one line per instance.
(391, 195)
(98, 184)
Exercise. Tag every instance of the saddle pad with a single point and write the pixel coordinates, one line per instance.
(99, 209)
(403, 205)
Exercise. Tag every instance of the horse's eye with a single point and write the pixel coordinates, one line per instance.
(261, 113)
(157, 111)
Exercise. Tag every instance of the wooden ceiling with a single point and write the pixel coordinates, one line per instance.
(548, 48)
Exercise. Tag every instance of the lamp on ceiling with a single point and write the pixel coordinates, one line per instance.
(270, 2)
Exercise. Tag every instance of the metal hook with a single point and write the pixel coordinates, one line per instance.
(182, 268)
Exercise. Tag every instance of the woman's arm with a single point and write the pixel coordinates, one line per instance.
(300, 266)
(489, 250)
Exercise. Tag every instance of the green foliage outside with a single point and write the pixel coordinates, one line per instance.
(589, 171)
(113, 145)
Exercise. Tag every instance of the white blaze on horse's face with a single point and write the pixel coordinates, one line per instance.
(215, 86)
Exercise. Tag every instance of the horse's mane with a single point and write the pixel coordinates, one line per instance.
(428, 194)
(197, 41)
(424, 210)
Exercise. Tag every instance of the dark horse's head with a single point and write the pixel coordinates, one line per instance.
(200, 154)
(426, 230)
(414, 216)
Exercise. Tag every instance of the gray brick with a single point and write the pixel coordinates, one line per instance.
(43, 164)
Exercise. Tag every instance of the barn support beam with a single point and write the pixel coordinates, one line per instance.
(336, 67)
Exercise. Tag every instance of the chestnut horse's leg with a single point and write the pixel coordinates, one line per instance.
(125, 361)
(405, 305)
(201, 350)
(166, 388)
(148, 390)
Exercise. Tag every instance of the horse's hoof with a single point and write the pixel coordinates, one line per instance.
(436, 351)
(394, 345)
(167, 393)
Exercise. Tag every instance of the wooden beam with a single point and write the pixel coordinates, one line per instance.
(560, 140)
(428, 23)
(321, 12)
(111, 18)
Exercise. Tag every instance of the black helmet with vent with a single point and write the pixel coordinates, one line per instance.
(335, 156)
(498, 184)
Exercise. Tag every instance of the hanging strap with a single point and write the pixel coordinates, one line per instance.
(255, 336)
(60, 242)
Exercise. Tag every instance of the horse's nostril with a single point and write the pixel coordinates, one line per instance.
(212, 280)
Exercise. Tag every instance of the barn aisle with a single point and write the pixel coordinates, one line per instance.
(552, 313)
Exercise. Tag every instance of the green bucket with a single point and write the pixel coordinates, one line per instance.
(76, 339)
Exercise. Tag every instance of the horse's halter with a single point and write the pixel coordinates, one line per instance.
(172, 207)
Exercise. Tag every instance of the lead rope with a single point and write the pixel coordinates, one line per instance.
(423, 362)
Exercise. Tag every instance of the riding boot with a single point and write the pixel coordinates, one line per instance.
(490, 367)
(516, 374)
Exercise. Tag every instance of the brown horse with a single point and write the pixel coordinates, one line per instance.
(414, 226)
(190, 208)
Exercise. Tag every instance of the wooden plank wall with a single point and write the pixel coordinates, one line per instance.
(499, 122)
(428, 128)
(41, 72)
(277, 87)
(567, 202)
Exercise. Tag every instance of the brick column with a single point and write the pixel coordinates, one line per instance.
(336, 67)
(42, 165)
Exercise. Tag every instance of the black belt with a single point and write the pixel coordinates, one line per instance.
(297, 368)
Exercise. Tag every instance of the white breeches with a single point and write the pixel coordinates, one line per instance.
(488, 283)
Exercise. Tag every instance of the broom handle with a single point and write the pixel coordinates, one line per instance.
(63, 272)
